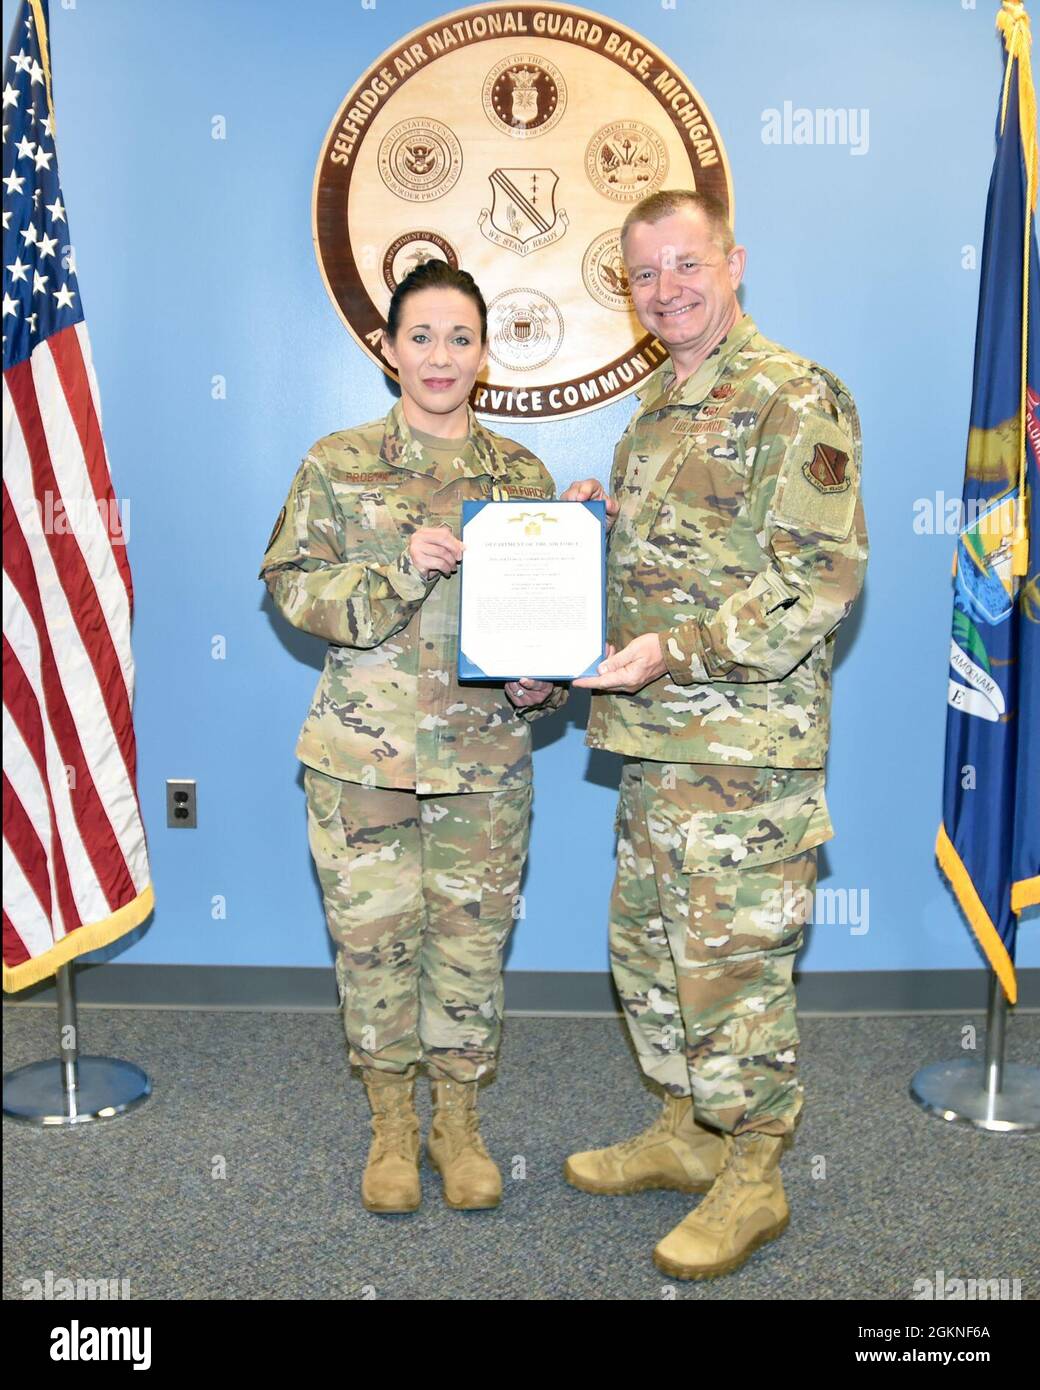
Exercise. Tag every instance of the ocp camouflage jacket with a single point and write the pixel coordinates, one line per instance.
(389, 710)
(741, 542)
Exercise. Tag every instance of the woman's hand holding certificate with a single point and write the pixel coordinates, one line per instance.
(434, 550)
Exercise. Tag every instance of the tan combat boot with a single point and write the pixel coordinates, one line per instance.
(471, 1179)
(745, 1208)
(391, 1177)
(675, 1153)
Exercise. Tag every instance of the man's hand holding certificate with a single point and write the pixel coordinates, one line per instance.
(642, 661)
(533, 593)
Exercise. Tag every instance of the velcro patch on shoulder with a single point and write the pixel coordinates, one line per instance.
(818, 483)
(276, 531)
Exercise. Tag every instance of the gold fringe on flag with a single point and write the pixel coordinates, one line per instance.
(90, 937)
(1025, 893)
(988, 937)
(45, 54)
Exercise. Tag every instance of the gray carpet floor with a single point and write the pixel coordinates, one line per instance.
(902, 1196)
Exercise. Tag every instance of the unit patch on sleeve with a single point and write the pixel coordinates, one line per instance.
(826, 470)
(816, 489)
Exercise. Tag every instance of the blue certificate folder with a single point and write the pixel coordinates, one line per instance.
(469, 670)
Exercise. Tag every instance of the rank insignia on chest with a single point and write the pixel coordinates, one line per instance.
(826, 469)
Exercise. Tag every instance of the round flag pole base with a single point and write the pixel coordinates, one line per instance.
(956, 1091)
(105, 1087)
(986, 1093)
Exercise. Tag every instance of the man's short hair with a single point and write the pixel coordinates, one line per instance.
(657, 206)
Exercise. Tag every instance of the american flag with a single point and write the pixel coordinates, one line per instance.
(75, 857)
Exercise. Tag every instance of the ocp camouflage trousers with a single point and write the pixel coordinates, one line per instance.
(716, 869)
(420, 896)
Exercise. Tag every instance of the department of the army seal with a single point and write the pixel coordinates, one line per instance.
(524, 95)
(626, 160)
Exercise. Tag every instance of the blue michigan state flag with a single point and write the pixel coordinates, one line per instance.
(989, 841)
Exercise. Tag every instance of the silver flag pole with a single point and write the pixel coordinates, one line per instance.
(70, 1089)
(993, 1094)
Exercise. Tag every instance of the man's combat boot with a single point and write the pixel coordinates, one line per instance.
(391, 1178)
(745, 1208)
(675, 1152)
(471, 1179)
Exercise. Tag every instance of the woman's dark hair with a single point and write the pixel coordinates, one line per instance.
(435, 275)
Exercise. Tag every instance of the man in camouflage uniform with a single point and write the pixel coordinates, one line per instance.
(418, 788)
(737, 547)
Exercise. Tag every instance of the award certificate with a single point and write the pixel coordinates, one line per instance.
(533, 590)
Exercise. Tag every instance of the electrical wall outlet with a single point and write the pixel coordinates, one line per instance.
(180, 804)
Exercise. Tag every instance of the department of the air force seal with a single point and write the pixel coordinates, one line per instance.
(511, 140)
(524, 95)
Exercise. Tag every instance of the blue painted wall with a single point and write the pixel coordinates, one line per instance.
(195, 260)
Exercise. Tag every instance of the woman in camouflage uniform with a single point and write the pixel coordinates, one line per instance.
(418, 788)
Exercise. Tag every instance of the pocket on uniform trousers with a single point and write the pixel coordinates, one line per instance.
(750, 872)
(324, 820)
(323, 794)
(510, 815)
(759, 1018)
(792, 816)
(509, 831)
(630, 792)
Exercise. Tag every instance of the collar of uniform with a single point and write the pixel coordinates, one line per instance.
(697, 385)
(652, 386)
(400, 448)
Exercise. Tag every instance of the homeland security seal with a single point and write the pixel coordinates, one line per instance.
(486, 136)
